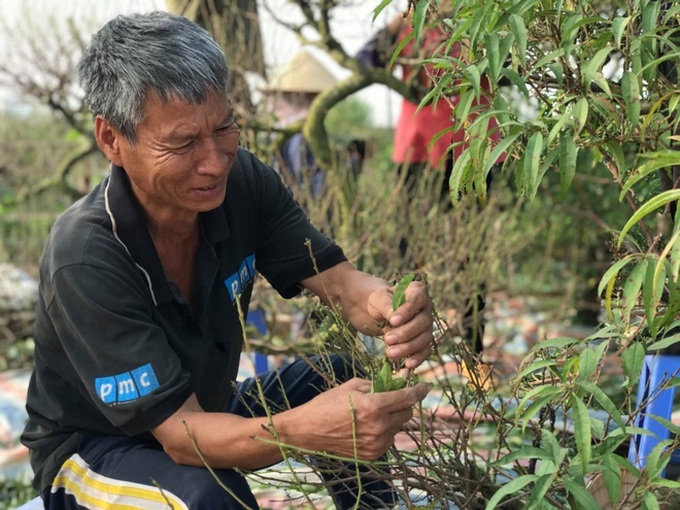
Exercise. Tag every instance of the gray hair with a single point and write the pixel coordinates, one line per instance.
(132, 56)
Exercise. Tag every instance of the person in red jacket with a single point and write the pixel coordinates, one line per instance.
(424, 138)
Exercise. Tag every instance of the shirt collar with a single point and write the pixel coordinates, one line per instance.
(127, 219)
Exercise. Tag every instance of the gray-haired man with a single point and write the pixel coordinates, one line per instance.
(137, 333)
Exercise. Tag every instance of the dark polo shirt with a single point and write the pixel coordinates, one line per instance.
(117, 347)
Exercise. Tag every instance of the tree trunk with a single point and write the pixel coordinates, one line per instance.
(235, 25)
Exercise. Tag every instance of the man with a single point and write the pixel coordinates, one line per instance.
(138, 332)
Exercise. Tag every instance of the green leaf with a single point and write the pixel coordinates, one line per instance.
(382, 380)
(436, 92)
(520, 32)
(509, 488)
(649, 501)
(526, 452)
(619, 25)
(591, 70)
(550, 57)
(584, 500)
(462, 110)
(538, 365)
(657, 161)
(399, 291)
(557, 342)
(499, 149)
(674, 243)
(397, 51)
(613, 271)
(541, 487)
(552, 446)
(623, 461)
(632, 359)
(544, 397)
(611, 474)
(632, 286)
(380, 8)
(492, 44)
(663, 482)
(580, 113)
(582, 432)
(659, 280)
(615, 150)
(516, 80)
(568, 153)
(598, 60)
(630, 89)
(649, 296)
(602, 82)
(658, 458)
(672, 427)
(651, 205)
(609, 444)
(397, 383)
(664, 343)
(603, 399)
(650, 17)
(532, 162)
(459, 171)
(474, 76)
(546, 164)
(505, 46)
(562, 121)
(673, 103)
(475, 27)
(558, 70)
(419, 18)
(587, 364)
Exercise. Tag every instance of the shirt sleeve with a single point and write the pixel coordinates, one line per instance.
(289, 247)
(111, 347)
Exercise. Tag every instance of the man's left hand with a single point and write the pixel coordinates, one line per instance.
(408, 329)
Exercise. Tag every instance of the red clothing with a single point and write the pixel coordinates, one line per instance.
(416, 128)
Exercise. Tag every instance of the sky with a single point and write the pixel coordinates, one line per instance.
(353, 25)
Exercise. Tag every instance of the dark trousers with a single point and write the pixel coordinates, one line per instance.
(119, 470)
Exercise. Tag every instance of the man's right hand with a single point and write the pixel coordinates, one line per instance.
(350, 421)
(347, 420)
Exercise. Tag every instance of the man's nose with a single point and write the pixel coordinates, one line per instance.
(213, 158)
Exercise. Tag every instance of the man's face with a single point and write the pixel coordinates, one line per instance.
(182, 157)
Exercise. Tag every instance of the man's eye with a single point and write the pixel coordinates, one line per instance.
(183, 147)
(232, 127)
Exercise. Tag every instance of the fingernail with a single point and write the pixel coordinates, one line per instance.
(395, 320)
(390, 339)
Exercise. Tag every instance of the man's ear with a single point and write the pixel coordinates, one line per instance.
(109, 140)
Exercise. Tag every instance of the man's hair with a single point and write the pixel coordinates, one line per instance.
(133, 56)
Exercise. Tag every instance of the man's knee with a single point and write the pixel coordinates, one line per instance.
(225, 490)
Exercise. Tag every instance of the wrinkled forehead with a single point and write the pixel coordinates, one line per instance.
(174, 102)
(168, 116)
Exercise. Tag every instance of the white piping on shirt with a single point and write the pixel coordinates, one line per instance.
(115, 234)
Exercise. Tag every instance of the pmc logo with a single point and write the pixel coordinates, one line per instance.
(126, 386)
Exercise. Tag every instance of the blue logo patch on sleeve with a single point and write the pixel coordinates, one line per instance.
(238, 281)
(145, 379)
(126, 386)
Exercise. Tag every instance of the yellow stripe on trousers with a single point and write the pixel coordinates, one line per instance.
(99, 492)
